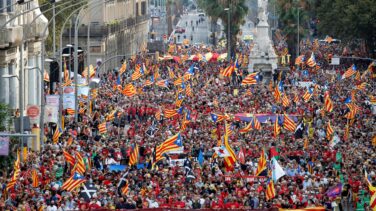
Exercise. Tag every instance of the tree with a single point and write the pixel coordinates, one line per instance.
(238, 11)
(6, 162)
(4, 116)
(348, 20)
(59, 20)
(289, 11)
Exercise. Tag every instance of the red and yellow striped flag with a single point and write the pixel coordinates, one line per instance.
(133, 158)
(285, 101)
(158, 115)
(129, 90)
(102, 128)
(168, 113)
(261, 163)
(277, 128)
(288, 123)
(329, 131)
(270, 191)
(247, 128)
(125, 189)
(188, 91)
(70, 111)
(362, 86)
(35, 178)
(137, 73)
(328, 102)
(256, 123)
(123, 68)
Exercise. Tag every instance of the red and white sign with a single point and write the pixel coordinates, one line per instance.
(165, 36)
(33, 112)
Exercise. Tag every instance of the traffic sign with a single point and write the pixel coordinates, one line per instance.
(165, 36)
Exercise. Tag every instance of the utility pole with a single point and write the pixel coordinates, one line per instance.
(298, 44)
(53, 28)
(21, 81)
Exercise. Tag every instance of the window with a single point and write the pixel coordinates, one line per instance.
(95, 49)
(9, 7)
(137, 12)
(143, 8)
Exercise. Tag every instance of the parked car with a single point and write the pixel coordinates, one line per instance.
(180, 30)
(201, 14)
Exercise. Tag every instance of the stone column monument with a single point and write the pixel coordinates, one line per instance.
(262, 56)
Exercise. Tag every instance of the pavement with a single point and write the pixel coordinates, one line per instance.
(200, 33)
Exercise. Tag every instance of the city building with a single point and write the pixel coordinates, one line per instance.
(21, 34)
(117, 27)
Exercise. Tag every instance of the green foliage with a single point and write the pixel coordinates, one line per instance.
(289, 11)
(4, 116)
(59, 22)
(238, 11)
(348, 20)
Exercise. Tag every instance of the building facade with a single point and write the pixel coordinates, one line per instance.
(117, 27)
(24, 33)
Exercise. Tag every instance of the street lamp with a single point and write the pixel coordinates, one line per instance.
(228, 34)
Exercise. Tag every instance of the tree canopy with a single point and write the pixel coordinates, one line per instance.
(216, 9)
(347, 20)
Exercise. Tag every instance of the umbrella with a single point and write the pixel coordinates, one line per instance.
(176, 59)
(222, 57)
(168, 57)
(208, 56)
(214, 57)
(191, 57)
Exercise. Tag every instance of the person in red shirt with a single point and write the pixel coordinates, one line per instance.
(216, 204)
(179, 204)
(232, 204)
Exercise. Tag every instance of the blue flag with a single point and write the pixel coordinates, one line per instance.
(334, 191)
(200, 158)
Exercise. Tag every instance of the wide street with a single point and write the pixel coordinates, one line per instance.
(156, 116)
(194, 31)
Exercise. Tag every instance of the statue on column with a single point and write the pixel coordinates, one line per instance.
(262, 7)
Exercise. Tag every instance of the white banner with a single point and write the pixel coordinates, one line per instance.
(51, 114)
(52, 100)
(83, 90)
(68, 101)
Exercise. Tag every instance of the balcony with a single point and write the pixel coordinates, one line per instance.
(11, 36)
(35, 30)
(104, 30)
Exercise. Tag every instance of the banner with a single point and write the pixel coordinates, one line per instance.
(68, 90)
(4, 145)
(83, 90)
(249, 179)
(51, 114)
(33, 112)
(68, 101)
(52, 100)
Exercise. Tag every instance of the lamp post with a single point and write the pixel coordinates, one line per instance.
(43, 50)
(228, 33)
(298, 44)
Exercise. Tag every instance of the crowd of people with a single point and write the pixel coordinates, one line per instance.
(195, 176)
